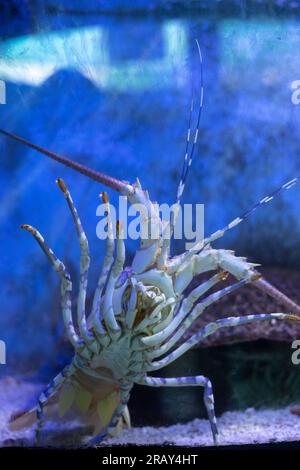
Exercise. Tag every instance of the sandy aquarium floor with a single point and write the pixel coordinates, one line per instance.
(235, 427)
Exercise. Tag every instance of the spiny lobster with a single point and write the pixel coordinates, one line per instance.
(139, 313)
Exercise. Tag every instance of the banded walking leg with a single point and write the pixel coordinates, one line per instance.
(191, 317)
(66, 286)
(183, 306)
(117, 267)
(119, 412)
(131, 306)
(107, 263)
(210, 328)
(84, 264)
(157, 338)
(189, 301)
(186, 305)
(50, 390)
(198, 380)
(163, 323)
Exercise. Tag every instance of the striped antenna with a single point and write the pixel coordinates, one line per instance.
(189, 158)
(109, 181)
(165, 251)
(186, 157)
(245, 215)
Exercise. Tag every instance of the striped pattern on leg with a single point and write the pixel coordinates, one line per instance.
(157, 338)
(198, 380)
(131, 307)
(210, 328)
(107, 264)
(50, 390)
(117, 267)
(84, 264)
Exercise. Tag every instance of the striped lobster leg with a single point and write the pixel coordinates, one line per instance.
(66, 286)
(210, 328)
(200, 380)
(158, 338)
(191, 317)
(50, 390)
(197, 381)
(204, 246)
(107, 263)
(117, 267)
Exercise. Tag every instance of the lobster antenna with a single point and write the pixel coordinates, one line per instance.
(168, 232)
(245, 215)
(185, 162)
(188, 159)
(109, 181)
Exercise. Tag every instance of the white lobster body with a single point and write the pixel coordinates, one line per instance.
(138, 316)
(141, 313)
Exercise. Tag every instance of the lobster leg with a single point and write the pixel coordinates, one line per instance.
(117, 267)
(193, 297)
(84, 264)
(157, 338)
(66, 286)
(210, 328)
(189, 301)
(50, 390)
(108, 260)
(198, 380)
(192, 316)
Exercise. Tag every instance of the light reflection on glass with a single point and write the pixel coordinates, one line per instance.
(261, 57)
(31, 60)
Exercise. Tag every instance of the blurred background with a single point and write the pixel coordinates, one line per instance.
(108, 84)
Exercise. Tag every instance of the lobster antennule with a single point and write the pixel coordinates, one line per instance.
(219, 233)
(186, 155)
(187, 162)
(189, 158)
(109, 181)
